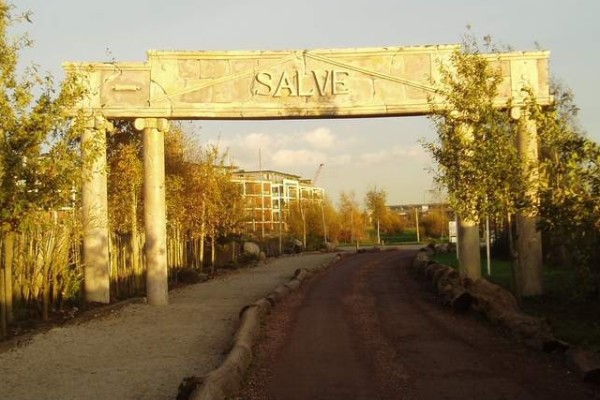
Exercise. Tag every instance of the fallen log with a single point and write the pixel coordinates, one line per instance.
(431, 270)
(279, 293)
(491, 300)
(301, 274)
(293, 284)
(450, 287)
(227, 379)
(264, 306)
(439, 273)
(500, 307)
(585, 363)
(420, 260)
(249, 327)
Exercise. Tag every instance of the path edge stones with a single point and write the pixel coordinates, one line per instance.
(499, 306)
(227, 379)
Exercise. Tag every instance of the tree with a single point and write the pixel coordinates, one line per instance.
(395, 224)
(125, 182)
(222, 199)
(476, 153)
(352, 224)
(435, 223)
(295, 220)
(570, 189)
(331, 220)
(375, 201)
(39, 155)
(305, 220)
(205, 202)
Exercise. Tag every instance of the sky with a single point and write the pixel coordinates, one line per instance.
(358, 154)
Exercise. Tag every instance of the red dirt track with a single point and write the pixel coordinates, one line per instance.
(367, 330)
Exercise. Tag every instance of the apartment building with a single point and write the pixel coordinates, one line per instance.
(267, 193)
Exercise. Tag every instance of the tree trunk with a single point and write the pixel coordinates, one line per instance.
(180, 247)
(114, 252)
(201, 251)
(514, 261)
(202, 237)
(213, 253)
(135, 245)
(18, 264)
(3, 322)
(9, 242)
(303, 227)
(3, 319)
(46, 262)
(26, 289)
(54, 267)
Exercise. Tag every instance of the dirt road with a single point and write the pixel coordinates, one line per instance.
(368, 330)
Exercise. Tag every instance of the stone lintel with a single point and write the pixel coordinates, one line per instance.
(293, 84)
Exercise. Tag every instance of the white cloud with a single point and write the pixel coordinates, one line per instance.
(257, 141)
(373, 158)
(394, 155)
(340, 160)
(415, 152)
(295, 158)
(320, 138)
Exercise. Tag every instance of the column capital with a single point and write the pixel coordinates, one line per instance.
(516, 112)
(454, 114)
(99, 122)
(161, 124)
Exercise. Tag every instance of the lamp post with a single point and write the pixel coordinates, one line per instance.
(417, 223)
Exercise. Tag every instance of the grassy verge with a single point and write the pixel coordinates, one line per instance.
(574, 319)
(408, 236)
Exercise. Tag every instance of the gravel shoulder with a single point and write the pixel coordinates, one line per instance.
(139, 351)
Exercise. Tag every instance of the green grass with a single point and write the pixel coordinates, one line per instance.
(574, 319)
(407, 236)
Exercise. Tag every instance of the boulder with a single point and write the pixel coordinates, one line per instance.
(585, 363)
(251, 248)
(329, 247)
(293, 246)
(442, 248)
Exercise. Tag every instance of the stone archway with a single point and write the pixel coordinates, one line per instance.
(369, 82)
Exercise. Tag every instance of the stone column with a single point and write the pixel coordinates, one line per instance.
(529, 238)
(155, 219)
(468, 231)
(469, 248)
(94, 199)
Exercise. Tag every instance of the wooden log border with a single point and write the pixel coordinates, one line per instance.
(227, 379)
(500, 307)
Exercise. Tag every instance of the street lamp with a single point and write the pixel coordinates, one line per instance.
(417, 223)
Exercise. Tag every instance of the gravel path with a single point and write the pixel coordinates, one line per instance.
(142, 352)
